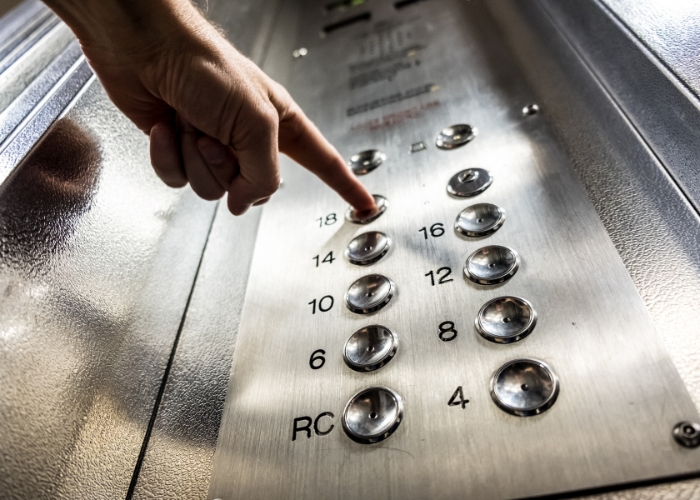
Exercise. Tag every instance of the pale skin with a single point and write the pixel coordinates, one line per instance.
(214, 119)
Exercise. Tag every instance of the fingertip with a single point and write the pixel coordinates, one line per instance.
(212, 150)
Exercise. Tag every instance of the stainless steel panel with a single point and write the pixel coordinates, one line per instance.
(27, 68)
(97, 259)
(180, 449)
(620, 394)
(25, 136)
(670, 30)
(665, 111)
(653, 226)
(20, 109)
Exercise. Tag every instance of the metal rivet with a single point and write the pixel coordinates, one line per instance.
(372, 415)
(687, 434)
(531, 109)
(524, 387)
(300, 52)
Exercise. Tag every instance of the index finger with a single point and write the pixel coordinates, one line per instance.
(303, 142)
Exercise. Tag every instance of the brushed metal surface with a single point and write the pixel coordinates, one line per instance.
(179, 453)
(26, 134)
(21, 107)
(28, 67)
(661, 106)
(593, 329)
(97, 259)
(653, 226)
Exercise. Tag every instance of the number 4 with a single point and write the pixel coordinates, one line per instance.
(457, 399)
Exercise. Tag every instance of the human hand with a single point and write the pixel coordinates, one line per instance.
(214, 118)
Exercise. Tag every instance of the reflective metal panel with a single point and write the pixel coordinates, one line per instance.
(453, 442)
(97, 259)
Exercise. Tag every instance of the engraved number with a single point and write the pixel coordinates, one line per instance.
(328, 220)
(457, 398)
(317, 360)
(442, 273)
(328, 259)
(447, 331)
(325, 304)
(436, 230)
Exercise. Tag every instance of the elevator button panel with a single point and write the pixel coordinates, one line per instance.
(524, 387)
(492, 265)
(459, 377)
(364, 162)
(479, 220)
(367, 248)
(369, 294)
(469, 182)
(372, 415)
(455, 136)
(367, 216)
(370, 348)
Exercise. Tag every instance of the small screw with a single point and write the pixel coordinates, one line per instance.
(531, 109)
(687, 434)
(300, 52)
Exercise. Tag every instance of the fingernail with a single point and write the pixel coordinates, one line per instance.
(212, 152)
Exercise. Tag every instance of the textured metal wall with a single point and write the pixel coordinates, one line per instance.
(97, 260)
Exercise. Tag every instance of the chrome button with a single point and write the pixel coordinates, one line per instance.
(367, 216)
(372, 415)
(506, 319)
(455, 136)
(366, 161)
(492, 265)
(367, 248)
(370, 348)
(369, 294)
(524, 387)
(469, 182)
(481, 219)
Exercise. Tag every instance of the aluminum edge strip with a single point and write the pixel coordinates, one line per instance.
(17, 147)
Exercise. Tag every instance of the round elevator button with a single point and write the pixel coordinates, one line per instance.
(481, 219)
(367, 216)
(367, 248)
(469, 182)
(492, 265)
(506, 319)
(455, 136)
(370, 348)
(524, 387)
(366, 161)
(372, 415)
(369, 294)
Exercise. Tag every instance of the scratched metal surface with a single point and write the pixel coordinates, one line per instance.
(97, 259)
(594, 329)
